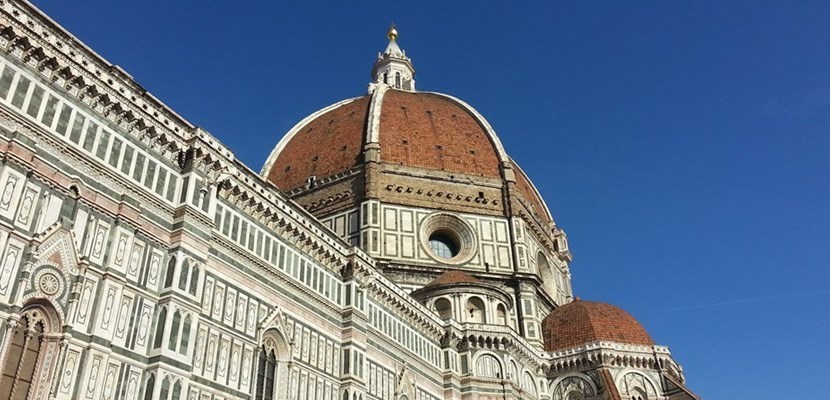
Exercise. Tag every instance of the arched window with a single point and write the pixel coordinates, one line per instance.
(637, 386)
(260, 373)
(487, 366)
(174, 331)
(514, 371)
(528, 384)
(183, 275)
(397, 80)
(171, 272)
(194, 281)
(501, 315)
(177, 390)
(185, 342)
(165, 388)
(385, 78)
(272, 372)
(266, 372)
(443, 308)
(475, 310)
(22, 356)
(30, 340)
(160, 322)
(545, 272)
(573, 388)
(148, 389)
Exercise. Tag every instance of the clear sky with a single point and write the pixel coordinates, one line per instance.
(682, 145)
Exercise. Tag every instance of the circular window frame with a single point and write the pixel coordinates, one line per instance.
(454, 228)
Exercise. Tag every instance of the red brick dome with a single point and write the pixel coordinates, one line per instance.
(414, 129)
(422, 130)
(581, 322)
(325, 143)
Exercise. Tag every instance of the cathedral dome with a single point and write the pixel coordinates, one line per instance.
(419, 180)
(410, 132)
(412, 129)
(581, 322)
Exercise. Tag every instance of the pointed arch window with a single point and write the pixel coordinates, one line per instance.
(271, 367)
(31, 339)
(487, 366)
(528, 384)
(171, 272)
(266, 372)
(160, 322)
(165, 388)
(185, 342)
(177, 390)
(546, 272)
(194, 280)
(148, 389)
(174, 331)
(185, 271)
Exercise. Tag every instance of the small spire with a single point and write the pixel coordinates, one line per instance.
(392, 34)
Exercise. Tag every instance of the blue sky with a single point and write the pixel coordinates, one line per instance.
(683, 146)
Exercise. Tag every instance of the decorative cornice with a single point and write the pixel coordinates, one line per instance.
(603, 353)
(487, 336)
(46, 47)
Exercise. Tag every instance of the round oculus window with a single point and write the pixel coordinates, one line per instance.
(443, 245)
(448, 239)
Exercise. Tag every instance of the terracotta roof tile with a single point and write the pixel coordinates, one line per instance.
(433, 132)
(581, 322)
(330, 144)
(450, 277)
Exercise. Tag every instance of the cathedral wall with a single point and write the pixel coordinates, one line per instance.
(345, 225)
(174, 284)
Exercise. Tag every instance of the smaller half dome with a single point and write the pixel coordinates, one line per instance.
(581, 322)
(452, 277)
